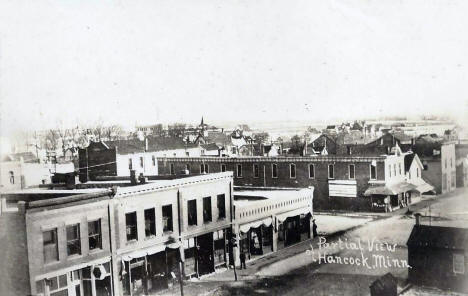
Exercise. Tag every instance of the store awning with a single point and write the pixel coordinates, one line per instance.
(141, 253)
(423, 188)
(245, 227)
(301, 211)
(392, 189)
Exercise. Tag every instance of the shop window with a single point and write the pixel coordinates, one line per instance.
(49, 239)
(292, 171)
(311, 171)
(223, 167)
(58, 285)
(331, 171)
(12, 177)
(207, 209)
(239, 171)
(130, 164)
(171, 169)
(192, 212)
(187, 167)
(256, 171)
(167, 218)
(150, 222)
(221, 203)
(131, 226)
(458, 263)
(274, 170)
(94, 235)
(73, 240)
(351, 171)
(203, 168)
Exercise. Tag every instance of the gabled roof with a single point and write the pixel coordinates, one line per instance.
(28, 157)
(438, 237)
(408, 161)
(211, 146)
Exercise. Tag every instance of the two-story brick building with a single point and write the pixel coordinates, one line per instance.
(121, 241)
(340, 182)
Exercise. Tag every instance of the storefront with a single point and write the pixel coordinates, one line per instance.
(293, 227)
(93, 279)
(150, 270)
(256, 238)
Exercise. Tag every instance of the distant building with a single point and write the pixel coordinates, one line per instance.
(118, 158)
(438, 257)
(461, 154)
(22, 170)
(340, 182)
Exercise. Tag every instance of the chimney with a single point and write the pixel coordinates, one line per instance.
(418, 217)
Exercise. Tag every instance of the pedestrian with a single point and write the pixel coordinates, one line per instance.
(242, 260)
(314, 228)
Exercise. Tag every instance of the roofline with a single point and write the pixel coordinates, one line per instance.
(67, 199)
(171, 184)
(317, 158)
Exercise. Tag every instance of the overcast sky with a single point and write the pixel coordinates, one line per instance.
(165, 61)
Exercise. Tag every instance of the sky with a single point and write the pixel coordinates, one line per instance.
(140, 62)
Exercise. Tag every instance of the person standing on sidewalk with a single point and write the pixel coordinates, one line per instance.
(242, 260)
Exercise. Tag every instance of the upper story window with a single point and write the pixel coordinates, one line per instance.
(150, 222)
(221, 204)
(451, 163)
(12, 177)
(274, 170)
(445, 162)
(73, 239)
(130, 164)
(223, 167)
(239, 171)
(349, 150)
(131, 226)
(207, 209)
(292, 171)
(311, 171)
(167, 217)
(153, 160)
(394, 169)
(331, 171)
(351, 171)
(256, 171)
(187, 153)
(417, 172)
(94, 235)
(192, 212)
(142, 162)
(399, 168)
(389, 170)
(171, 169)
(373, 172)
(50, 248)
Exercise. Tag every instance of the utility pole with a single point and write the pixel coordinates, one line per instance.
(233, 236)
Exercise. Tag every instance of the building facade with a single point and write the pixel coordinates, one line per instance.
(123, 241)
(340, 182)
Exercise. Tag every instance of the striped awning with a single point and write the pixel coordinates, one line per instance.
(254, 224)
(392, 189)
(301, 211)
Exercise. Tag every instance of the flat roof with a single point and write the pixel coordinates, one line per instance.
(252, 196)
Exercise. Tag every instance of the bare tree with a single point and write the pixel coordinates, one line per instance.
(261, 138)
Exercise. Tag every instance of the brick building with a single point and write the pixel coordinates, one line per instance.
(124, 241)
(339, 181)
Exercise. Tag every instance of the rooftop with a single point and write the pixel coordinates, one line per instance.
(439, 237)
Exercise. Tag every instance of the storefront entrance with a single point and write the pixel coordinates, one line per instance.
(205, 254)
